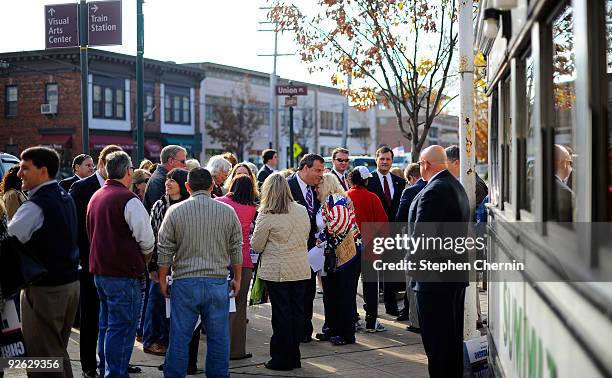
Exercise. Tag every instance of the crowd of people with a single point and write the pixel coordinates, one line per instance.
(121, 241)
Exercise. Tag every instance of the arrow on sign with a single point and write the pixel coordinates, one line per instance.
(95, 8)
(51, 11)
(297, 150)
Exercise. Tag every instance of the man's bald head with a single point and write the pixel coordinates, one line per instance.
(433, 160)
(563, 162)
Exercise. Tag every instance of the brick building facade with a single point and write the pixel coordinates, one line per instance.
(37, 82)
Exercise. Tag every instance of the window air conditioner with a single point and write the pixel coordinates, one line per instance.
(48, 109)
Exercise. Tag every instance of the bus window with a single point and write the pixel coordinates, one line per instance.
(609, 79)
(507, 144)
(529, 135)
(564, 92)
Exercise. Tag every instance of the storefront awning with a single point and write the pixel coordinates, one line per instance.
(98, 142)
(56, 141)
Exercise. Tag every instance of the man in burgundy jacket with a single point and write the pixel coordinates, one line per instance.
(121, 240)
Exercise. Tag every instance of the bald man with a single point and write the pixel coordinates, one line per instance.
(564, 194)
(440, 304)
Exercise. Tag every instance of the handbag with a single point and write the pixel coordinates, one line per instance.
(340, 249)
(18, 267)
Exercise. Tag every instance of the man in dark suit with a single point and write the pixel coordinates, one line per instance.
(440, 304)
(388, 187)
(270, 160)
(81, 192)
(302, 185)
(416, 184)
(82, 166)
(452, 155)
(413, 176)
(340, 162)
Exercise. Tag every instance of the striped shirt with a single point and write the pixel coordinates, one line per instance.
(199, 237)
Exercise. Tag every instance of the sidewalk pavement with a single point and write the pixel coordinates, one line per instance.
(393, 353)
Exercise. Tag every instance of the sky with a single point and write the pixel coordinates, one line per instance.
(183, 31)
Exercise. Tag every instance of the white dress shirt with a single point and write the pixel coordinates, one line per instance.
(389, 181)
(341, 176)
(101, 179)
(29, 217)
(304, 187)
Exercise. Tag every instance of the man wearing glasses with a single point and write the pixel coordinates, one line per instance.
(172, 156)
(340, 161)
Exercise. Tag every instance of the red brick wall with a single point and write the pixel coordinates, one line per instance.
(23, 129)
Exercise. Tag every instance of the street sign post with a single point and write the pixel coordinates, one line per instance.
(104, 23)
(291, 90)
(61, 25)
(290, 101)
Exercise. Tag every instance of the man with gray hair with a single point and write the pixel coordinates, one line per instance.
(121, 240)
(219, 168)
(172, 156)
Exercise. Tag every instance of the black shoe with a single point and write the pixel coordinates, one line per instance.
(247, 355)
(339, 340)
(403, 316)
(272, 366)
(322, 336)
(306, 339)
(134, 369)
(392, 312)
(192, 370)
(413, 329)
(91, 374)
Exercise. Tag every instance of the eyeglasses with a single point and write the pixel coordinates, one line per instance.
(342, 160)
(180, 161)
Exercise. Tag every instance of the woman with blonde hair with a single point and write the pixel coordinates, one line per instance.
(241, 169)
(340, 239)
(281, 235)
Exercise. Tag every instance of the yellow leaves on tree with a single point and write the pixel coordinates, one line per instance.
(481, 108)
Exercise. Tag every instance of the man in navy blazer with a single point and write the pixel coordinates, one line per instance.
(270, 160)
(81, 192)
(440, 304)
(302, 185)
(388, 187)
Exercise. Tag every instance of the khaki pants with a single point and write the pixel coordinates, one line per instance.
(47, 314)
(237, 320)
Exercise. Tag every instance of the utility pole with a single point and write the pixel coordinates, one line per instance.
(273, 125)
(345, 114)
(83, 33)
(139, 81)
(467, 151)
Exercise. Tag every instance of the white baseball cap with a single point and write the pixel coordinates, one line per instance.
(363, 172)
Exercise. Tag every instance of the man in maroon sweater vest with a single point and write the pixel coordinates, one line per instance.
(121, 240)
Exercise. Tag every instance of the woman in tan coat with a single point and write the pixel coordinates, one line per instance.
(281, 233)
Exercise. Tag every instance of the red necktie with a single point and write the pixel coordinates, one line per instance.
(387, 191)
(344, 183)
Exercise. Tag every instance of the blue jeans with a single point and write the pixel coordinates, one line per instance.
(155, 322)
(120, 301)
(209, 298)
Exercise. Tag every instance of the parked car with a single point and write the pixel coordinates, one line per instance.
(7, 161)
(354, 161)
